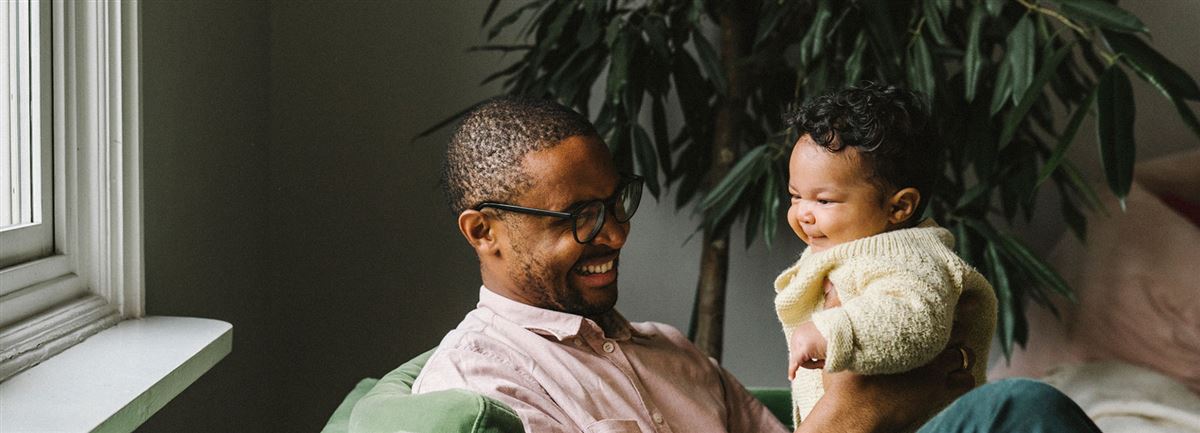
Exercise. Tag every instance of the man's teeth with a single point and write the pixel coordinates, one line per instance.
(595, 269)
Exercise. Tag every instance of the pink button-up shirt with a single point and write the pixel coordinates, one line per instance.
(564, 373)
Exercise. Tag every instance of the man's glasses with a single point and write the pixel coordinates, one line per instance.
(588, 218)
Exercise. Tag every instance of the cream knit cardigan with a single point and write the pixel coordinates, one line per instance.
(902, 293)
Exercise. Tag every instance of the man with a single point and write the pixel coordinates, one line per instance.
(539, 200)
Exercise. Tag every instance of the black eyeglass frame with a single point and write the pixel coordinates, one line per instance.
(606, 205)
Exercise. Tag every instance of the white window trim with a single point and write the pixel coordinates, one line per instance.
(95, 277)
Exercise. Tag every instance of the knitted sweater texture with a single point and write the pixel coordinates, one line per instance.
(903, 292)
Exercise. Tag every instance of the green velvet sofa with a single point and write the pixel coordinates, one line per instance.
(386, 405)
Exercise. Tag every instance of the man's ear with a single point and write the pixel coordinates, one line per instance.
(480, 230)
(902, 205)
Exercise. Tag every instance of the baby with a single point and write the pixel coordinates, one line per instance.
(878, 290)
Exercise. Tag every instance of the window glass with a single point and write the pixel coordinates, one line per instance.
(17, 153)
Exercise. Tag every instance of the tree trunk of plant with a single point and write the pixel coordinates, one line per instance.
(736, 19)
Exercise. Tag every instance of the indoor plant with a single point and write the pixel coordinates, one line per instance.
(995, 71)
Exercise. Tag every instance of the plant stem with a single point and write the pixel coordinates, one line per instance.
(1053, 14)
(737, 20)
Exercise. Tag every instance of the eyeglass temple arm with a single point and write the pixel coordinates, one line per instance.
(522, 209)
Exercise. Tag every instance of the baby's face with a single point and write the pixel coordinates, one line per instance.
(832, 199)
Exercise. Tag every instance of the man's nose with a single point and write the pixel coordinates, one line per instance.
(612, 234)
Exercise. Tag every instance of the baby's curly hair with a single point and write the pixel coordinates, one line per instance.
(891, 128)
(483, 159)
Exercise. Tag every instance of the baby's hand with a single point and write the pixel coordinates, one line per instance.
(805, 349)
(832, 300)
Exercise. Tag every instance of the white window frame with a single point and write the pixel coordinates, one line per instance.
(94, 277)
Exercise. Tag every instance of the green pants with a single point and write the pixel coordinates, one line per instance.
(1013, 405)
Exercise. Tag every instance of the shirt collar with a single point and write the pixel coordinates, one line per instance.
(557, 324)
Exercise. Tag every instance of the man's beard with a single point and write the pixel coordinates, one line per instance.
(541, 284)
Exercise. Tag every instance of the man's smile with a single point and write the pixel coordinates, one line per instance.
(597, 268)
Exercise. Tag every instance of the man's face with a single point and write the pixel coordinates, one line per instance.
(544, 265)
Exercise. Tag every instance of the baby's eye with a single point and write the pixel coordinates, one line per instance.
(820, 201)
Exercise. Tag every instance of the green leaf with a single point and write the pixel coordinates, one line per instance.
(879, 24)
(1032, 92)
(618, 143)
(920, 69)
(1041, 271)
(854, 64)
(753, 215)
(618, 66)
(446, 121)
(943, 6)
(771, 203)
(963, 244)
(933, 21)
(590, 28)
(995, 6)
(721, 199)
(1157, 70)
(813, 40)
(1017, 183)
(1081, 187)
(1103, 14)
(502, 48)
(1114, 124)
(973, 194)
(710, 62)
(662, 140)
(973, 61)
(509, 70)
(1021, 55)
(1067, 137)
(1185, 112)
(491, 9)
(1003, 87)
(768, 19)
(511, 18)
(981, 149)
(1004, 298)
(647, 158)
(613, 31)
(560, 22)
(656, 34)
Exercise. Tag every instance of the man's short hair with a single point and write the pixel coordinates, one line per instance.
(483, 159)
(890, 127)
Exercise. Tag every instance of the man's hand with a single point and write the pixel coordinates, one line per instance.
(806, 349)
(892, 402)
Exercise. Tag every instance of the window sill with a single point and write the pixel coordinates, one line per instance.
(115, 380)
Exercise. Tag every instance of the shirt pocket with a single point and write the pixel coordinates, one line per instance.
(613, 426)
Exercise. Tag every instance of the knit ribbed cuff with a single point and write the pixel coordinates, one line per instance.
(834, 324)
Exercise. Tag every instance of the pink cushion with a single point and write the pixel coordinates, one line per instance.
(1138, 281)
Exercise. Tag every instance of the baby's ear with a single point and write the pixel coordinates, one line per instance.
(902, 205)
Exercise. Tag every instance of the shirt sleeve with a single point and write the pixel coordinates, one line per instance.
(470, 367)
(746, 413)
(901, 318)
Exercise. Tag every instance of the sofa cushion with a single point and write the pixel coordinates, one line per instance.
(387, 406)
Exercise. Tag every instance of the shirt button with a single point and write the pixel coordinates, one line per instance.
(658, 419)
(609, 347)
(578, 343)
